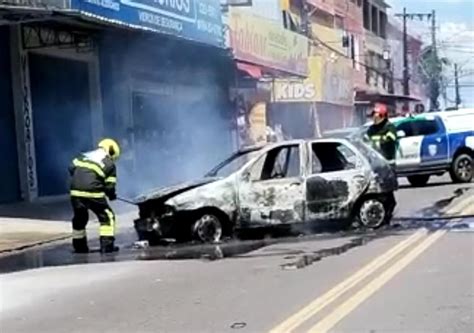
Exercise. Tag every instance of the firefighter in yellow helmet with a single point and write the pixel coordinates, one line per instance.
(93, 180)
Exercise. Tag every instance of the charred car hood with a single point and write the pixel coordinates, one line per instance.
(168, 192)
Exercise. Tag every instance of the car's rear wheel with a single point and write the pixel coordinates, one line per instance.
(207, 228)
(462, 169)
(372, 213)
(419, 180)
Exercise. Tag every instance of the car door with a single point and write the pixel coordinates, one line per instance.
(409, 145)
(338, 176)
(434, 146)
(422, 143)
(271, 190)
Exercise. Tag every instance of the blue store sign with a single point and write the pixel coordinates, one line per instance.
(198, 20)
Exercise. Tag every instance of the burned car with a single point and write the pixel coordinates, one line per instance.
(287, 183)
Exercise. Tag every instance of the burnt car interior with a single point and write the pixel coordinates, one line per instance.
(331, 157)
(278, 163)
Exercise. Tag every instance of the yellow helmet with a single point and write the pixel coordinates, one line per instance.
(111, 147)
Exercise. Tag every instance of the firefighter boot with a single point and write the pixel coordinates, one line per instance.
(80, 245)
(107, 245)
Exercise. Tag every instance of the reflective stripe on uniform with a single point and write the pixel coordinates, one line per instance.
(111, 180)
(108, 230)
(85, 194)
(390, 135)
(90, 166)
(375, 137)
(78, 234)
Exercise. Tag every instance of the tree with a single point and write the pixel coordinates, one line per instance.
(432, 69)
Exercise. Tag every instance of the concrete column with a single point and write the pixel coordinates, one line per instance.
(23, 116)
(95, 94)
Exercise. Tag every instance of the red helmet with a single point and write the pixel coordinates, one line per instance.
(381, 109)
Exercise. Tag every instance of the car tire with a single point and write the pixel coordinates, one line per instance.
(372, 213)
(207, 228)
(462, 169)
(419, 180)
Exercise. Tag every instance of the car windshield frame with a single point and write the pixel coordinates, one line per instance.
(241, 153)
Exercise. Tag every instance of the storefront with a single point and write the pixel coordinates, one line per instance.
(264, 51)
(10, 186)
(139, 71)
(167, 100)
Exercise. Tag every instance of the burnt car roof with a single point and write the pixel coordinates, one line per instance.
(289, 142)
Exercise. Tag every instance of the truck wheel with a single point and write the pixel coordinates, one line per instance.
(418, 181)
(372, 213)
(462, 169)
(207, 228)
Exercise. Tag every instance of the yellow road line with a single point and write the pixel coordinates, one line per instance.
(348, 306)
(460, 207)
(320, 303)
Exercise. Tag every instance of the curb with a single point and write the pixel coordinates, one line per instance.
(46, 241)
(22, 247)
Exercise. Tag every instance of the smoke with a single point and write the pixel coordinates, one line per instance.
(179, 125)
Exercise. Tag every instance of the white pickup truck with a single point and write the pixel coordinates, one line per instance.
(431, 143)
(435, 143)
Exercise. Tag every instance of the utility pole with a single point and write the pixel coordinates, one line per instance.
(456, 85)
(406, 75)
(434, 81)
(406, 70)
(435, 84)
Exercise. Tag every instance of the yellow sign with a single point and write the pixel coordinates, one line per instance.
(308, 90)
(260, 41)
(336, 68)
(258, 123)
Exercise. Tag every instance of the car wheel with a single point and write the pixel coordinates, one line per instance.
(462, 169)
(207, 228)
(420, 180)
(372, 213)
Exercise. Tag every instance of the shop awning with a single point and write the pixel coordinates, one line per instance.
(367, 97)
(252, 70)
(151, 16)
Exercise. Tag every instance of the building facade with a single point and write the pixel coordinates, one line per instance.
(264, 51)
(152, 75)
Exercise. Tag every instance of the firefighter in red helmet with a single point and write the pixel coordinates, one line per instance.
(382, 133)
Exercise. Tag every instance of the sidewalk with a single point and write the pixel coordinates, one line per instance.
(23, 225)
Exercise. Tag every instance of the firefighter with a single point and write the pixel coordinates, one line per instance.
(93, 180)
(382, 133)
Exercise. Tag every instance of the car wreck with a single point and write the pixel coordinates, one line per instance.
(288, 183)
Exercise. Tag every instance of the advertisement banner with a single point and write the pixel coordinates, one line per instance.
(336, 69)
(308, 90)
(263, 42)
(198, 20)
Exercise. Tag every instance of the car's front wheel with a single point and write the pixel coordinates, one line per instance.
(207, 228)
(462, 169)
(419, 180)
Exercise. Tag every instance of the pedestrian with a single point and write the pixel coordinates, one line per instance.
(93, 180)
(382, 133)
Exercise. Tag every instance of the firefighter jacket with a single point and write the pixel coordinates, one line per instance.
(93, 175)
(383, 137)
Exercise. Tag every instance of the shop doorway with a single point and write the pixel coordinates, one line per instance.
(61, 118)
(9, 189)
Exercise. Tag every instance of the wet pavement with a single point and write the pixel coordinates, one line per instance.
(62, 254)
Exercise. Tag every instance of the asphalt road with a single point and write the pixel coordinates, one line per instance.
(399, 280)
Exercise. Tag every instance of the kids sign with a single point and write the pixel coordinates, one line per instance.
(262, 42)
(198, 20)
